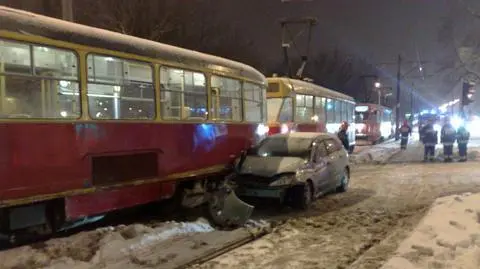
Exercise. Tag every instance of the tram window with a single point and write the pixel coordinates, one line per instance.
(48, 91)
(227, 98)
(344, 110)
(330, 108)
(320, 108)
(300, 100)
(346, 107)
(253, 96)
(15, 57)
(338, 111)
(304, 108)
(184, 94)
(350, 112)
(55, 63)
(286, 112)
(120, 89)
(273, 87)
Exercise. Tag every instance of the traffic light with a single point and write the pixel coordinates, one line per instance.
(468, 93)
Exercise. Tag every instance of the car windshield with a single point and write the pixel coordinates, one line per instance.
(283, 147)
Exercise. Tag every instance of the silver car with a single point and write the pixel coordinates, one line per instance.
(296, 168)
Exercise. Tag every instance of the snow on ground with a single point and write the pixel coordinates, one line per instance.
(447, 237)
(380, 153)
(375, 154)
(166, 245)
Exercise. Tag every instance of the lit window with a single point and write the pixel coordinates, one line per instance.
(304, 108)
(254, 102)
(49, 89)
(183, 94)
(320, 109)
(120, 89)
(226, 98)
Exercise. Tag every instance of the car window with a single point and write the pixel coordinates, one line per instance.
(331, 146)
(319, 153)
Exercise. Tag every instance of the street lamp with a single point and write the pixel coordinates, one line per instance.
(378, 84)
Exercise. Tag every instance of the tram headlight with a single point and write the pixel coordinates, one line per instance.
(262, 130)
(284, 129)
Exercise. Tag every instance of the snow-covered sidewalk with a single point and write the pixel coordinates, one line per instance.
(447, 237)
(378, 154)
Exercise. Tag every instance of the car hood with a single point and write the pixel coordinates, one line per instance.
(270, 166)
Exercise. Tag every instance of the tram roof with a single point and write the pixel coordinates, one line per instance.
(34, 24)
(304, 87)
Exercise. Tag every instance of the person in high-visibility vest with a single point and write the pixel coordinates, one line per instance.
(429, 137)
(405, 132)
(463, 135)
(447, 138)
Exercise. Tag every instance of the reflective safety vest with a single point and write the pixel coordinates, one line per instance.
(430, 136)
(448, 135)
(405, 130)
(463, 136)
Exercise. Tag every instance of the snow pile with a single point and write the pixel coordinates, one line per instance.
(447, 237)
(171, 229)
(108, 245)
(375, 155)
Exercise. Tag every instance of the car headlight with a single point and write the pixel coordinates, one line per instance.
(283, 180)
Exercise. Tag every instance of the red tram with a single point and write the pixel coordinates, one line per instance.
(373, 122)
(93, 121)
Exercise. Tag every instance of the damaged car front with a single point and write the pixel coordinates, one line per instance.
(274, 167)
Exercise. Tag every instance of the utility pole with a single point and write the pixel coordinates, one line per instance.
(412, 110)
(67, 10)
(397, 107)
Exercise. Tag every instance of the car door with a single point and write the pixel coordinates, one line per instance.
(321, 175)
(333, 161)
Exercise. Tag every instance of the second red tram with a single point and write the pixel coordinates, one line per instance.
(373, 122)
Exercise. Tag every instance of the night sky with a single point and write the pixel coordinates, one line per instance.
(376, 30)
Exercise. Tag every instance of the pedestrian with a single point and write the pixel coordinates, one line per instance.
(429, 139)
(447, 138)
(343, 135)
(405, 132)
(463, 135)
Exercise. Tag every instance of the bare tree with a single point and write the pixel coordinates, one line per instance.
(459, 33)
(195, 25)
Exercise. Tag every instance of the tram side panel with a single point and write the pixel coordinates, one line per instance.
(101, 167)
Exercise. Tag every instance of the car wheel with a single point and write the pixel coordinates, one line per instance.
(303, 196)
(344, 181)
